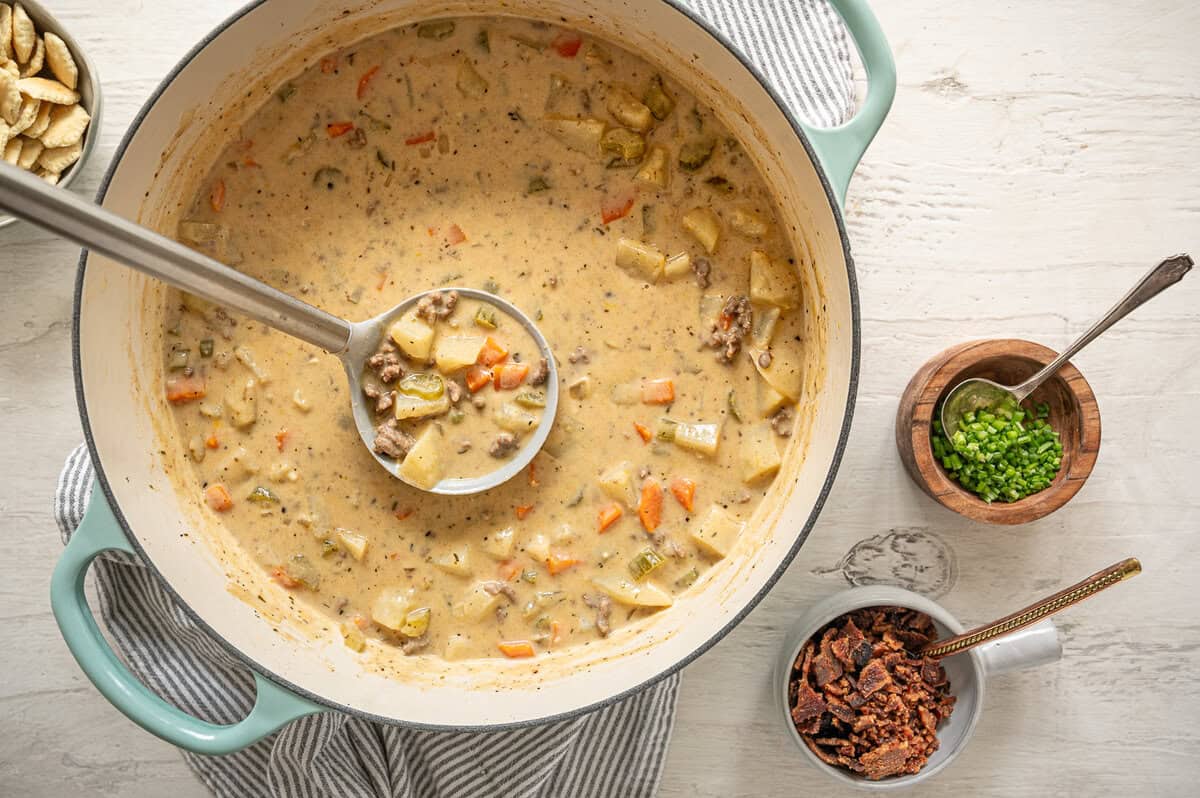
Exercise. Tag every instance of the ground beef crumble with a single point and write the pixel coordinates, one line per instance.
(386, 362)
(392, 441)
(702, 268)
(504, 445)
(540, 372)
(602, 604)
(781, 422)
(734, 324)
(433, 307)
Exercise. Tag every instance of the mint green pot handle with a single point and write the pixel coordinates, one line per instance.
(100, 532)
(839, 149)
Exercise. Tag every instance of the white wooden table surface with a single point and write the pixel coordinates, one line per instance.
(1039, 157)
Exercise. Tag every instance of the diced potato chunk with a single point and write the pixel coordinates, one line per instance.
(617, 484)
(538, 547)
(765, 321)
(476, 604)
(390, 608)
(628, 110)
(405, 406)
(454, 352)
(456, 561)
(677, 265)
(633, 594)
(413, 336)
(242, 404)
(352, 542)
(458, 646)
(769, 399)
(581, 135)
(655, 169)
(759, 454)
(747, 223)
(771, 281)
(423, 465)
(784, 372)
(499, 544)
(717, 531)
(511, 417)
(702, 438)
(704, 226)
(640, 257)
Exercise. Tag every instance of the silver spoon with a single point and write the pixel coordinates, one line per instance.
(62, 213)
(976, 393)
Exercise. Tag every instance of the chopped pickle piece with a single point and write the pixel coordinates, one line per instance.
(261, 495)
(625, 144)
(416, 622)
(657, 100)
(436, 29)
(424, 386)
(704, 226)
(644, 562)
(695, 152)
(531, 399)
(717, 531)
(486, 317)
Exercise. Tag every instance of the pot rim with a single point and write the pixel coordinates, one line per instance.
(674, 667)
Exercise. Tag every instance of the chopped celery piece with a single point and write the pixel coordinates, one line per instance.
(688, 579)
(261, 495)
(666, 429)
(731, 401)
(644, 562)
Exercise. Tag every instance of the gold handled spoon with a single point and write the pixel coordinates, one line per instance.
(1034, 612)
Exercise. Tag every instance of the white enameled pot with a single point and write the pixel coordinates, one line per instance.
(137, 506)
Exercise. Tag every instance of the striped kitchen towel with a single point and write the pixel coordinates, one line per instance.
(801, 46)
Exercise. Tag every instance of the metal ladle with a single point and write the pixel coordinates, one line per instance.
(976, 393)
(101, 231)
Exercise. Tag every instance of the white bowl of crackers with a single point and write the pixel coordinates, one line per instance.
(49, 96)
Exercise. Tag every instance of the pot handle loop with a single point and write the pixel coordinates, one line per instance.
(99, 531)
(840, 148)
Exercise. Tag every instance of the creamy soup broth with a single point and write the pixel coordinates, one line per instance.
(573, 179)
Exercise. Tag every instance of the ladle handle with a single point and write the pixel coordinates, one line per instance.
(64, 214)
(1048, 606)
(1161, 277)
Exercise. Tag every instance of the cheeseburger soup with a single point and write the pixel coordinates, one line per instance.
(578, 182)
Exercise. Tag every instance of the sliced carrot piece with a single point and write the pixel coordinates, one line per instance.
(523, 510)
(567, 44)
(509, 375)
(509, 570)
(218, 497)
(420, 138)
(477, 377)
(361, 622)
(516, 649)
(250, 163)
(282, 577)
(455, 235)
(216, 195)
(556, 633)
(613, 208)
(181, 390)
(643, 431)
(559, 561)
(329, 63)
(533, 480)
(609, 515)
(403, 513)
(281, 439)
(212, 442)
(650, 507)
(365, 81)
(658, 392)
(684, 491)
(492, 353)
(335, 129)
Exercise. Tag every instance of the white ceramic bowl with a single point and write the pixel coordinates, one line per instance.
(139, 507)
(968, 672)
(88, 88)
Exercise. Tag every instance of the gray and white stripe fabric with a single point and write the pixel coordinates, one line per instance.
(618, 751)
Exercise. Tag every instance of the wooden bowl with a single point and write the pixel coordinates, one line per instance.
(1073, 413)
